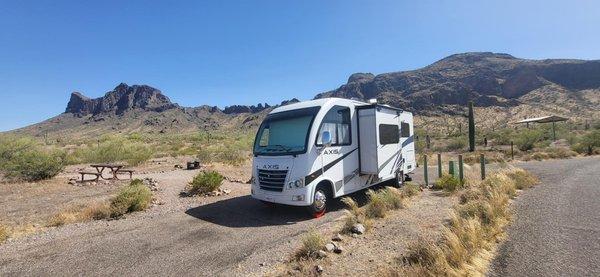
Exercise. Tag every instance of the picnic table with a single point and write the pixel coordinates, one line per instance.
(114, 170)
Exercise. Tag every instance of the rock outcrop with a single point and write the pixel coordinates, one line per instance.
(120, 100)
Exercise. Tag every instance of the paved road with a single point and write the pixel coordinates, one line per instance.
(556, 231)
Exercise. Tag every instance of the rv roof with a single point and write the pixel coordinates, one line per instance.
(316, 103)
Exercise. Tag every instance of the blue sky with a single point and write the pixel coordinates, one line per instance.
(244, 52)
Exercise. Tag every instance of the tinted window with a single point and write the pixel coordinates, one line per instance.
(337, 122)
(404, 130)
(388, 134)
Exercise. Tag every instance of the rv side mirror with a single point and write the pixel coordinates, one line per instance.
(326, 139)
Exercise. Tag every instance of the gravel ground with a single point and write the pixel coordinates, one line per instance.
(234, 234)
(556, 230)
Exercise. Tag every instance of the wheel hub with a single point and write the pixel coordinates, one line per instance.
(320, 199)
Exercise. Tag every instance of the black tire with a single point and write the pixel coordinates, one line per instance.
(399, 180)
(319, 201)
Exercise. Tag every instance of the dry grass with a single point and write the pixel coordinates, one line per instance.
(382, 201)
(81, 213)
(134, 197)
(523, 179)
(4, 233)
(312, 242)
(354, 215)
(410, 189)
(475, 226)
(379, 204)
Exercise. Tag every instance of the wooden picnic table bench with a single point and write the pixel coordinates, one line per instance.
(96, 174)
(114, 169)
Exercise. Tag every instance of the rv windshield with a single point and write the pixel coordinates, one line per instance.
(285, 133)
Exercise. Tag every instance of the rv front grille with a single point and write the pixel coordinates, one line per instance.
(272, 180)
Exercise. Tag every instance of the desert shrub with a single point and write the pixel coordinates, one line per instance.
(424, 258)
(526, 139)
(312, 242)
(523, 179)
(410, 189)
(354, 215)
(560, 153)
(132, 198)
(501, 137)
(474, 226)
(232, 155)
(456, 143)
(4, 233)
(448, 183)
(206, 182)
(114, 149)
(381, 201)
(23, 158)
(376, 207)
(538, 156)
(588, 143)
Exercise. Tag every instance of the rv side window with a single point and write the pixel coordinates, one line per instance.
(388, 134)
(337, 122)
(404, 130)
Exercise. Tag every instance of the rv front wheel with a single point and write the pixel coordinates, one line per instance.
(319, 203)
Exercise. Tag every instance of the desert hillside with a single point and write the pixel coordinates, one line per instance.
(504, 89)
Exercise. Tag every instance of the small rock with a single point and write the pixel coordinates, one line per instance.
(358, 229)
(337, 237)
(262, 264)
(226, 191)
(319, 269)
(330, 247)
(321, 254)
(338, 250)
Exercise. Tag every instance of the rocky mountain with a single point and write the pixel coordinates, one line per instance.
(120, 100)
(504, 88)
(488, 79)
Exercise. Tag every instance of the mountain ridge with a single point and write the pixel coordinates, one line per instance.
(500, 83)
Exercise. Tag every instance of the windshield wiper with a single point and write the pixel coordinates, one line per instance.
(285, 148)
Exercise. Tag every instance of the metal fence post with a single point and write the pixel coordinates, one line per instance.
(451, 168)
(426, 176)
(512, 150)
(482, 161)
(460, 168)
(439, 156)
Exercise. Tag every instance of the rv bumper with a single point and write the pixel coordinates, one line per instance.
(297, 197)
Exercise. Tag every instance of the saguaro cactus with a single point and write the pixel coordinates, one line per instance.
(471, 128)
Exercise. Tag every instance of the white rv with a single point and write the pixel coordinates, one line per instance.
(310, 152)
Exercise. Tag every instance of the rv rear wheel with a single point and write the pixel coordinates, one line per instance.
(399, 181)
(319, 203)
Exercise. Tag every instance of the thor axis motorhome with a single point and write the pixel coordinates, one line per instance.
(310, 152)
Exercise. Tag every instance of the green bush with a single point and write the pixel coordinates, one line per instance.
(206, 182)
(132, 198)
(448, 183)
(588, 143)
(526, 139)
(457, 143)
(23, 158)
(114, 149)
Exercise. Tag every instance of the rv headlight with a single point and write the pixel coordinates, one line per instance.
(299, 183)
(296, 184)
